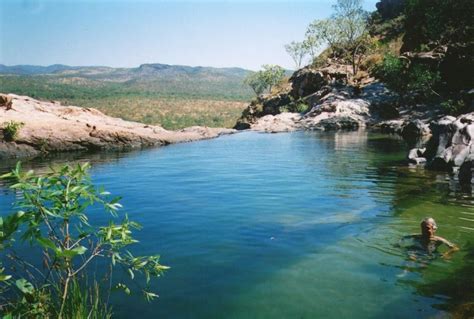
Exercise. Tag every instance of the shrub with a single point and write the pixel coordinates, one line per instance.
(11, 130)
(53, 218)
(301, 108)
(370, 62)
(453, 107)
(391, 71)
(402, 77)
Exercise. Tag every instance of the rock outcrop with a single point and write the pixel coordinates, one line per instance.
(337, 110)
(331, 107)
(306, 81)
(284, 122)
(6, 101)
(451, 147)
(50, 127)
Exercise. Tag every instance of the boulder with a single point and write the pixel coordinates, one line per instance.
(451, 145)
(416, 156)
(465, 171)
(315, 98)
(414, 129)
(390, 126)
(273, 103)
(336, 73)
(6, 101)
(337, 111)
(306, 81)
(284, 122)
(383, 102)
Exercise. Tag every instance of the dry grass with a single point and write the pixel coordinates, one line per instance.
(171, 113)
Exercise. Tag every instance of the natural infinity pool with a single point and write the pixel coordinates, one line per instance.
(298, 225)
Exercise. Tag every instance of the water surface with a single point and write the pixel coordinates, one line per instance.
(297, 225)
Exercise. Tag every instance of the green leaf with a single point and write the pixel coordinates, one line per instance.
(150, 295)
(123, 287)
(71, 253)
(5, 277)
(25, 286)
(47, 243)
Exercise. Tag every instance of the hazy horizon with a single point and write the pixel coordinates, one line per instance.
(126, 34)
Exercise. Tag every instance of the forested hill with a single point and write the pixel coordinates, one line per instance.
(62, 81)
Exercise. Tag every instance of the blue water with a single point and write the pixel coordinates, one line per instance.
(297, 225)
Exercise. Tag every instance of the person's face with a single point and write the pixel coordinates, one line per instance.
(431, 228)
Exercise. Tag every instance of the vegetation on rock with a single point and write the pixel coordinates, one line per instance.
(11, 130)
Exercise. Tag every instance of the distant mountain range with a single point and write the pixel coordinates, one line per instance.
(63, 81)
(123, 74)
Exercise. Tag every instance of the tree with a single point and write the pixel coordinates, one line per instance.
(344, 32)
(256, 81)
(297, 51)
(326, 30)
(351, 21)
(53, 218)
(312, 42)
(273, 74)
(265, 79)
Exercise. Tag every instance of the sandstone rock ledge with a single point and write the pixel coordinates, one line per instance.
(51, 127)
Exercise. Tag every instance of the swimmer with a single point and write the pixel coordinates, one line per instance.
(424, 246)
(428, 241)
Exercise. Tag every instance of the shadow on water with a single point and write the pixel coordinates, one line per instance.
(291, 225)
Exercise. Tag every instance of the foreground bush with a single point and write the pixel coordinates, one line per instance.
(52, 218)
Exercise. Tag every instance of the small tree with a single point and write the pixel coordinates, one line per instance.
(313, 41)
(53, 218)
(256, 81)
(327, 30)
(273, 74)
(351, 21)
(297, 51)
(265, 79)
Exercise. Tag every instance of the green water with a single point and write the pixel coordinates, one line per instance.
(297, 225)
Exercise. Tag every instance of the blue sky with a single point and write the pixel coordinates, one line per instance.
(126, 33)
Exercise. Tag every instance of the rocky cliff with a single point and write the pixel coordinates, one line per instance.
(44, 127)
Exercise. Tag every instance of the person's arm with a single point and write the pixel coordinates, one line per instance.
(452, 247)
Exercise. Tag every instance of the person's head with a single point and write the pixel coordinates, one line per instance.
(428, 227)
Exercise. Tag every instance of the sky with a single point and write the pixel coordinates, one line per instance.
(127, 33)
